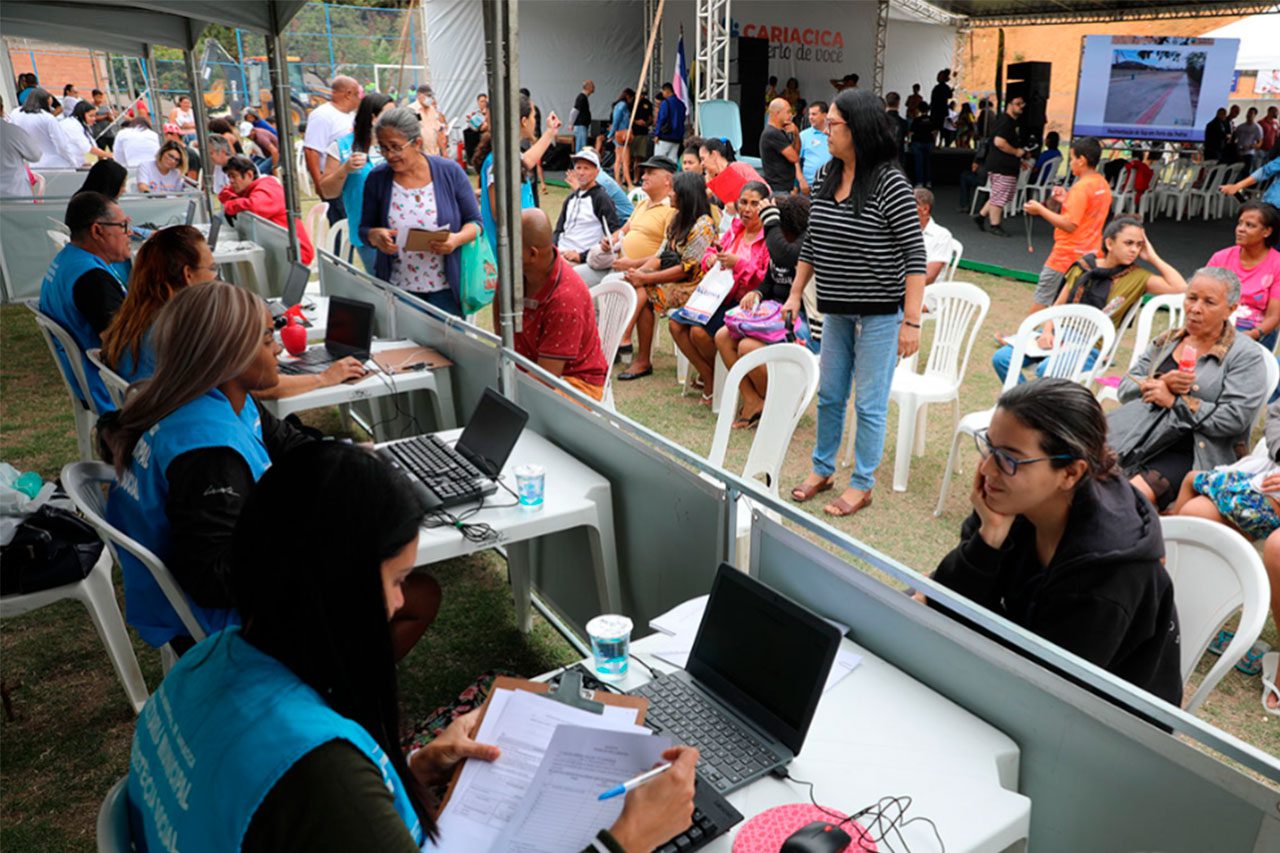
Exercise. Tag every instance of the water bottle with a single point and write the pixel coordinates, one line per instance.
(1187, 361)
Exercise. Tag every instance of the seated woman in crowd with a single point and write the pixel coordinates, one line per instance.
(262, 196)
(348, 165)
(414, 190)
(1062, 545)
(691, 157)
(107, 177)
(717, 155)
(300, 705)
(785, 219)
(743, 253)
(170, 260)
(76, 127)
(1111, 281)
(1256, 263)
(1173, 421)
(665, 281)
(188, 446)
(166, 174)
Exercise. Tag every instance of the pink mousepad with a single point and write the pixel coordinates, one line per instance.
(766, 832)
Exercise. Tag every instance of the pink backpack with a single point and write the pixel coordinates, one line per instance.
(764, 323)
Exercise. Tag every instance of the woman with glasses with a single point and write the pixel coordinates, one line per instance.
(1062, 544)
(166, 173)
(415, 191)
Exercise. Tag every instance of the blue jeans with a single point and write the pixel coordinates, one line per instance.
(444, 300)
(922, 156)
(1000, 361)
(579, 137)
(865, 348)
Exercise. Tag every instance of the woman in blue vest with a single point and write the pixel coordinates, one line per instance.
(189, 445)
(532, 149)
(283, 734)
(350, 161)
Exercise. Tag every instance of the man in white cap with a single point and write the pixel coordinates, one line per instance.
(588, 215)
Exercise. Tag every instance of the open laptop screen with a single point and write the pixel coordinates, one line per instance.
(349, 329)
(763, 654)
(492, 432)
(295, 286)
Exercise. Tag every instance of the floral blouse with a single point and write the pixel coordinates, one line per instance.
(695, 245)
(416, 272)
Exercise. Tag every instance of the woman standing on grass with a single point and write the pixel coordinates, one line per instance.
(866, 252)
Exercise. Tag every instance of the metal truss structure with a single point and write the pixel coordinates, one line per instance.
(658, 66)
(711, 52)
(1030, 13)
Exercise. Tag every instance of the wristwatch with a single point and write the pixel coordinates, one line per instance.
(911, 324)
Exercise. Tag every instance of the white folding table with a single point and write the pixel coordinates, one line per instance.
(879, 732)
(575, 496)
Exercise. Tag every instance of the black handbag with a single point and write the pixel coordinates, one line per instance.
(51, 548)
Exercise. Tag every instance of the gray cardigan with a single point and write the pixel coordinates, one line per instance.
(1218, 412)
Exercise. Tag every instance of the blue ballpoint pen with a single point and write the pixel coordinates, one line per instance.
(619, 790)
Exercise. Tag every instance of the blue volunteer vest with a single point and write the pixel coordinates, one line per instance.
(57, 300)
(486, 212)
(145, 365)
(137, 503)
(225, 724)
(353, 186)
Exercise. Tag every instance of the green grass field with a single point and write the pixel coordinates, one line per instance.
(70, 739)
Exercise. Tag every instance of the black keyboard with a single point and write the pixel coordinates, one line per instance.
(731, 754)
(441, 468)
(712, 817)
(312, 360)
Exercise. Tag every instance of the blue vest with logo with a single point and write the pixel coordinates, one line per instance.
(353, 186)
(143, 367)
(57, 300)
(138, 498)
(225, 725)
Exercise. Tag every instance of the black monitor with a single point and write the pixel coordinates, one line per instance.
(295, 285)
(492, 432)
(215, 225)
(349, 330)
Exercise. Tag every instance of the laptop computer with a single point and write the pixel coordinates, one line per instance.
(295, 287)
(752, 683)
(191, 213)
(469, 469)
(215, 225)
(349, 333)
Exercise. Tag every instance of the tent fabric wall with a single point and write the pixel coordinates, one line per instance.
(1259, 41)
(916, 52)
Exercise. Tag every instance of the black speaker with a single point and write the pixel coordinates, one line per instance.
(1030, 81)
(753, 79)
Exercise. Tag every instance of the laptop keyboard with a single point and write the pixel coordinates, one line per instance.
(439, 467)
(730, 753)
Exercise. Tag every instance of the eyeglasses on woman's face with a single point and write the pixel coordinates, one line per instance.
(1005, 461)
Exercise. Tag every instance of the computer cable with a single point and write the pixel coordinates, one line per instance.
(883, 821)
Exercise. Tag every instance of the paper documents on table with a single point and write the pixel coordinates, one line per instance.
(489, 793)
(680, 624)
(563, 810)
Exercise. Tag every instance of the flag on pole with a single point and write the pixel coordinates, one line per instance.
(680, 80)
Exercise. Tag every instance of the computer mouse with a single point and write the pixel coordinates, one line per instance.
(817, 837)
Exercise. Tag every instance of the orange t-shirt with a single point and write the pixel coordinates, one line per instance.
(1087, 204)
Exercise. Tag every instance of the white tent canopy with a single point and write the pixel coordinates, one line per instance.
(1259, 41)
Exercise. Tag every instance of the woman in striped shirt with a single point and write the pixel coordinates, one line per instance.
(865, 251)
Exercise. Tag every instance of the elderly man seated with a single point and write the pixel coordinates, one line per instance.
(588, 214)
(559, 330)
(937, 240)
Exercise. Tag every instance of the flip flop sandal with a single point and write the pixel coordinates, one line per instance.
(707, 400)
(1270, 664)
(1220, 642)
(802, 493)
(747, 423)
(1251, 663)
(844, 509)
(628, 376)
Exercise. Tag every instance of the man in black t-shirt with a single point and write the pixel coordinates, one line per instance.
(1004, 161)
(580, 118)
(892, 102)
(780, 148)
(938, 100)
(1216, 133)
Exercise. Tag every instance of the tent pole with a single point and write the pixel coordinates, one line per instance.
(276, 57)
(502, 61)
(8, 79)
(153, 87)
(202, 127)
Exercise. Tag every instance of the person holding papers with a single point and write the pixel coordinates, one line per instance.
(289, 726)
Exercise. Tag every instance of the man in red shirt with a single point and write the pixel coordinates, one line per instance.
(261, 196)
(559, 318)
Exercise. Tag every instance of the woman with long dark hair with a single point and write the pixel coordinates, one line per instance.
(1062, 544)
(866, 254)
(37, 119)
(1255, 261)
(107, 177)
(665, 281)
(351, 158)
(76, 127)
(532, 149)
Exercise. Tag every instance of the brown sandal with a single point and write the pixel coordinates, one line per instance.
(840, 508)
(802, 493)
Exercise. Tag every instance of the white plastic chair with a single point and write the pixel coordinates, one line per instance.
(58, 225)
(636, 195)
(1215, 571)
(84, 483)
(1078, 330)
(58, 239)
(958, 310)
(98, 595)
(615, 304)
(793, 380)
(116, 384)
(318, 227)
(1170, 302)
(83, 409)
(339, 240)
(957, 252)
(113, 820)
(1123, 192)
(300, 170)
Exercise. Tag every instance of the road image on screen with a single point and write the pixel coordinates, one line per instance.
(1152, 87)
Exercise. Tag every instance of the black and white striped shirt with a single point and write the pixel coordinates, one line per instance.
(861, 259)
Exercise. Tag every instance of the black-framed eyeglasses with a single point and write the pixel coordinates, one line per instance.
(1005, 461)
(122, 225)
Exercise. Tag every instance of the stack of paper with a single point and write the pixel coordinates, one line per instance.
(680, 625)
(523, 725)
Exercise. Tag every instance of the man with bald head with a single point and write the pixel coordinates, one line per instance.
(780, 147)
(559, 330)
(326, 125)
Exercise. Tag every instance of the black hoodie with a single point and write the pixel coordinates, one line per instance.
(1105, 596)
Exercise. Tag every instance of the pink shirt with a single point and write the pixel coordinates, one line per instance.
(1258, 285)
